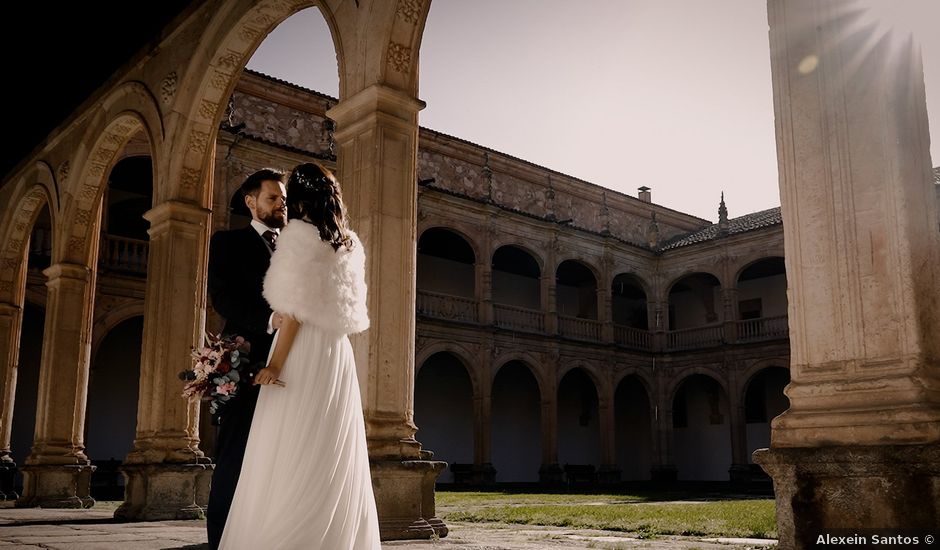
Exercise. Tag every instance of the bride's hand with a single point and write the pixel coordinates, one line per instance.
(268, 375)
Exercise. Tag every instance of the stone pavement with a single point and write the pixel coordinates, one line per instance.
(95, 529)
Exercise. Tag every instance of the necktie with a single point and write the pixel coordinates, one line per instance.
(270, 237)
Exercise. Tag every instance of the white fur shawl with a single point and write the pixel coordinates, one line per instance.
(310, 282)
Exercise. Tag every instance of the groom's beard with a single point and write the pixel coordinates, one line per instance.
(275, 219)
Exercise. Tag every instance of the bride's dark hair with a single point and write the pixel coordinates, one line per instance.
(313, 195)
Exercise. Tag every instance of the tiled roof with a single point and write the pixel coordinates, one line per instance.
(743, 224)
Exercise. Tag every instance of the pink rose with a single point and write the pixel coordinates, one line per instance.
(226, 388)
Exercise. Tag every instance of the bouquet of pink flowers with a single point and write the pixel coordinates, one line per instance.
(215, 373)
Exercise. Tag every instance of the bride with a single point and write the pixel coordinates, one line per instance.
(305, 480)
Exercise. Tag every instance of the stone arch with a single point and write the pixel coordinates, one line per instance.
(672, 282)
(445, 411)
(34, 190)
(530, 361)
(694, 300)
(463, 355)
(600, 383)
(750, 261)
(578, 415)
(634, 425)
(516, 409)
(763, 398)
(112, 318)
(644, 284)
(682, 375)
(539, 260)
(127, 111)
(580, 260)
(462, 232)
(701, 427)
(756, 367)
(648, 382)
(235, 31)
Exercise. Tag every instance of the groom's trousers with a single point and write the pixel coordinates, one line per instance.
(234, 425)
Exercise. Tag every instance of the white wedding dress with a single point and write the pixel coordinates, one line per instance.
(305, 481)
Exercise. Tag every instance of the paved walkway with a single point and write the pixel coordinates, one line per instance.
(96, 529)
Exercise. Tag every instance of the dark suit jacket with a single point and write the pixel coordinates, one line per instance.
(238, 261)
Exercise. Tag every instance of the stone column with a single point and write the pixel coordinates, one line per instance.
(664, 465)
(167, 475)
(659, 323)
(377, 136)
(484, 278)
(550, 472)
(740, 470)
(550, 302)
(11, 326)
(484, 473)
(605, 314)
(57, 472)
(729, 301)
(609, 472)
(858, 447)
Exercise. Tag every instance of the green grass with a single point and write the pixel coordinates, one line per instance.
(639, 514)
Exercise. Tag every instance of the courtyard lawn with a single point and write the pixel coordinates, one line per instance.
(646, 514)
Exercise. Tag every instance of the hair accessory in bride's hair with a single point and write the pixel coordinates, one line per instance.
(318, 182)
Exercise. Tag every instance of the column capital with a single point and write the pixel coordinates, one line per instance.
(67, 270)
(173, 210)
(374, 99)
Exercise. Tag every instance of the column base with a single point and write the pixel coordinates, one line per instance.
(551, 474)
(852, 488)
(158, 492)
(56, 486)
(404, 497)
(664, 472)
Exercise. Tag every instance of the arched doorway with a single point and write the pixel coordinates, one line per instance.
(111, 414)
(517, 444)
(763, 400)
(701, 426)
(444, 410)
(578, 422)
(634, 439)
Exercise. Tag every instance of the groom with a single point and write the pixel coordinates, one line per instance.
(238, 261)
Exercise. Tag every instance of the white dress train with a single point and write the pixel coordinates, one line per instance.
(305, 481)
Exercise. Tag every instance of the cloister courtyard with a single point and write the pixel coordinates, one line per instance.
(477, 521)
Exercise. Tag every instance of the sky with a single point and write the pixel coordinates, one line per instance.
(670, 94)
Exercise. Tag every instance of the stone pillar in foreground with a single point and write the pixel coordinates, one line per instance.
(167, 475)
(859, 447)
(377, 135)
(57, 473)
(11, 326)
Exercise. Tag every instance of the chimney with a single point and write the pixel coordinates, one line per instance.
(645, 194)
